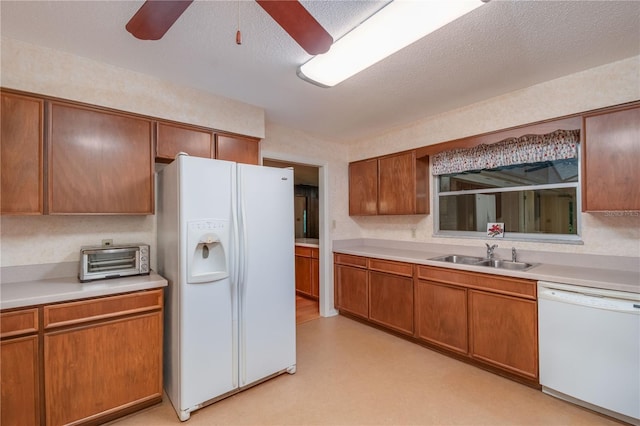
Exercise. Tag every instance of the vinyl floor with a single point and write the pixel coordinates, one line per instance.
(351, 374)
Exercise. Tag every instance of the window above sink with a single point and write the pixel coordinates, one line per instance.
(531, 184)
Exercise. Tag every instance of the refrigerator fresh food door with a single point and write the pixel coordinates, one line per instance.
(208, 326)
(266, 285)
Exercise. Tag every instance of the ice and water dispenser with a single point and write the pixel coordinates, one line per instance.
(207, 250)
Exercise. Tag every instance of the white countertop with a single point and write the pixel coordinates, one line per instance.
(37, 292)
(572, 272)
(308, 242)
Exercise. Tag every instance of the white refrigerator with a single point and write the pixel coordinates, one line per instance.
(226, 246)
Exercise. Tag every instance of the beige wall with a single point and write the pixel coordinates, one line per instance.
(50, 72)
(49, 239)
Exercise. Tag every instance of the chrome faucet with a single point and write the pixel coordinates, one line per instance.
(490, 250)
(514, 255)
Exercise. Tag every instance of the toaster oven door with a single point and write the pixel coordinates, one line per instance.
(111, 262)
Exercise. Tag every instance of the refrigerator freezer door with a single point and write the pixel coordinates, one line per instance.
(267, 288)
(208, 323)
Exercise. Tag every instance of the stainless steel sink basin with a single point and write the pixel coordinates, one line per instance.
(456, 258)
(481, 261)
(506, 264)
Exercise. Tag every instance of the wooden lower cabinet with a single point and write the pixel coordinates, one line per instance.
(81, 362)
(19, 384)
(391, 301)
(95, 370)
(307, 272)
(484, 319)
(19, 368)
(315, 276)
(504, 332)
(303, 275)
(441, 315)
(391, 294)
(102, 357)
(351, 285)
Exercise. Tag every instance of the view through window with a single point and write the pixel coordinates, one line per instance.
(534, 200)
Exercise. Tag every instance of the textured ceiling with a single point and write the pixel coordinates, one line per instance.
(500, 47)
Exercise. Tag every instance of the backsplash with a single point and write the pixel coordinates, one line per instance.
(602, 234)
(28, 240)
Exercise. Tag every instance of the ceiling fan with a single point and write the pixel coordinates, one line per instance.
(155, 17)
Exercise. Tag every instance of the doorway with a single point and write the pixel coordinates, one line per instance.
(307, 237)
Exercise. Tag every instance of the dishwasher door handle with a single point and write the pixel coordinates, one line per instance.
(589, 301)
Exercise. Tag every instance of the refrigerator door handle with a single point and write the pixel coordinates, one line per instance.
(234, 282)
(242, 271)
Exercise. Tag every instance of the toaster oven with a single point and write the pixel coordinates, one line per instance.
(99, 262)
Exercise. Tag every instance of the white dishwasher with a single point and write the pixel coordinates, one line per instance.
(589, 341)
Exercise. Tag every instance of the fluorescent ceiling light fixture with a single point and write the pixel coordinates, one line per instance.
(394, 27)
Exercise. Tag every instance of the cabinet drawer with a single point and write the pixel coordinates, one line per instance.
(19, 322)
(303, 251)
(315, 253)
(397, 268)
(347, 259)
(495, 283)
(95, 309)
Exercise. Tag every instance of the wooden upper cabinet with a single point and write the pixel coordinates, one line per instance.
(100, 162)
(21, 154)
(396, 183)
(238, 149)
(611, 157)
(393, 184)
(174, 138)
(363, 187)
(403, 184)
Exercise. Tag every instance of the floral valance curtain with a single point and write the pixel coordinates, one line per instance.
(559, 145)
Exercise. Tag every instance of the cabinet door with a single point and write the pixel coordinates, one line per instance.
(238, 149)
(99, 162)
(21, 154)
(172, 139)
(611, 158)
(303, 275)
(391, 301)
(95, 370)
(363, 188)
(441, 315)
(315, 273)
(19, 382)
(351, 290)
(396, 184)
(503, 332)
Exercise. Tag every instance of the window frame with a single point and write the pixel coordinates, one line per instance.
(512, 236)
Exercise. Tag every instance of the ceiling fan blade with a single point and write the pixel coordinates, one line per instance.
(299, 24)
(155, 17)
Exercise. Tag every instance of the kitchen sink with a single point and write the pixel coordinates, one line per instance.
(481, 261)
(506, 264)
(456, 258)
